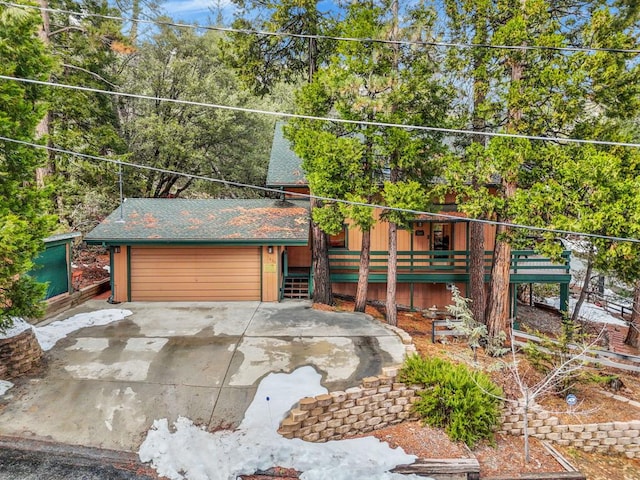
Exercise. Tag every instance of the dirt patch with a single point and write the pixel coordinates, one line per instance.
(419, 440)
(507, 457)
(597, 466)
(90, 266)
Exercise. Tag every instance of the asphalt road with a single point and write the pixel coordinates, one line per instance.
(41, 464)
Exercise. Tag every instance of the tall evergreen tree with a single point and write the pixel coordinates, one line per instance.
(372, 82)
(91, 53)
(23, 223)
(594, 189)
(265, 61)
(519, 91)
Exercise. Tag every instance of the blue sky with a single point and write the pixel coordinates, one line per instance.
(197, 11)
(205, 11)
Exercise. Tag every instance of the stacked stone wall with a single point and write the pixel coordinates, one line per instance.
(382, 401)
(377, 403)
(612, 437)
(19, 354)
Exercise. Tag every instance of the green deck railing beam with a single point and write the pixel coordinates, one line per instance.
(527, 266)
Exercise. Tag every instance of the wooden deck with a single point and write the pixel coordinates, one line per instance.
(527, 266)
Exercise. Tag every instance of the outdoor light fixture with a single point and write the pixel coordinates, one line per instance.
(418, 224)
(269, 249)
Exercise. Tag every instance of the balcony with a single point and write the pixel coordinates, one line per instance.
(437, 266)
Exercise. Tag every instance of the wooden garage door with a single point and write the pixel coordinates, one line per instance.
(195, 273)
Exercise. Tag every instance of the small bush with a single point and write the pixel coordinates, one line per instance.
(550, 354)
(463, 402)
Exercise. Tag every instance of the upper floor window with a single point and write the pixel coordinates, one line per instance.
(339, 240)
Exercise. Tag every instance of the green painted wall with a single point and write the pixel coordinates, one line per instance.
(52, 268)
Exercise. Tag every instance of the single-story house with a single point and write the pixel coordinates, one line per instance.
(200, 249)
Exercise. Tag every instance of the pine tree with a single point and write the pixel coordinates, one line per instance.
(371, 82)
(23, 223)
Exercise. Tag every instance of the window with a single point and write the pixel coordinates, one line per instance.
(441, 236)
(339, 240)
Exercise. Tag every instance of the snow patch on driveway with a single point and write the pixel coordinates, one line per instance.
(50, 334)
(186, 451)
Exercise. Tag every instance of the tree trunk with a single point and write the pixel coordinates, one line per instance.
(585, 287)
(42, 129)
(392, 259)
(525, 427)
(633, 336)
(477, 291)
(497, 315)
(320, 262)
(313, 59)
(135, 15)
(392, 270)
(363, 272)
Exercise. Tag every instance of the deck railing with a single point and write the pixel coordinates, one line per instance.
(446, 261)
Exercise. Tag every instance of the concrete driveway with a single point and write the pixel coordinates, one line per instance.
(105, 385)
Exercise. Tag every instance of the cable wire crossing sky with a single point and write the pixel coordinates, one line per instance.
(219, 10)
(428, 128)
(306, 195)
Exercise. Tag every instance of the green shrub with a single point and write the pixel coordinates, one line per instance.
(463, 402)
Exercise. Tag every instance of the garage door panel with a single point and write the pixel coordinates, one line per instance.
(195, 274)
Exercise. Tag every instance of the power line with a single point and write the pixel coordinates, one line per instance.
(456, 131)
(268, 33)
(317, 197)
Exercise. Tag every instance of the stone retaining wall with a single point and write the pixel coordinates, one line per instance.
(19, 354)
(377, 403)
(611, 437)
(381, 401)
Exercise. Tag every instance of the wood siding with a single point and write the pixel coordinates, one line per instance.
(120, 286)
(195, 273)
(421, 296)
(299, 256)
(271, 273)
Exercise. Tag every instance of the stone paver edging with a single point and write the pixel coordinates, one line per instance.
(376, 403)
(382, 401)
(19, 354)
(611, 437)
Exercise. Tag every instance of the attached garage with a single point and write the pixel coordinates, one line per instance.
(195, 273)
(200, 249)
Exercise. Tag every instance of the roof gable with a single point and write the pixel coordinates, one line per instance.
(285, 167)
(206, 221)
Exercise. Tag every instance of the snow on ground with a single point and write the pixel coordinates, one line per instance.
(49, 335)
(589, 312)
(4, 386)
(186, 451)
(19, 326)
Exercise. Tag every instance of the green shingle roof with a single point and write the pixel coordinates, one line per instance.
(205, 221)
(285, 167)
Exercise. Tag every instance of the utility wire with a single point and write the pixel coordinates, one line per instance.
(317, 197)
(267, 33)
(457, 131)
